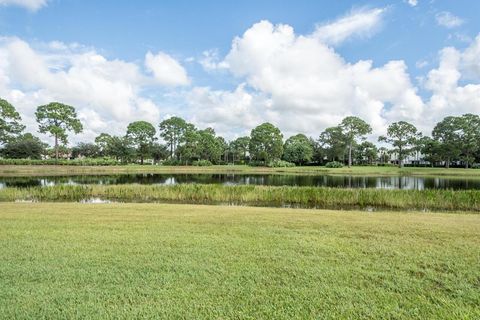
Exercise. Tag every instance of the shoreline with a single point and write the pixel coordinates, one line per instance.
(67, 170)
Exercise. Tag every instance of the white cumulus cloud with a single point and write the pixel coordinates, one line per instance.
(106, 93)
(448, 20)
(455, 83)
(302, 85)
(360, 23)
(309, 86)
(167, 70)
(228, 112)
(413, 3)
(470, 62)
(299, 82)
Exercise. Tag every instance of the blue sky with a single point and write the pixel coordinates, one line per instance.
(62, 35)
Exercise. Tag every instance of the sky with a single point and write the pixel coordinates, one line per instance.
(232, 65)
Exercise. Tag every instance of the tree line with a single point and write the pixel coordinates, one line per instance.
(454, 140)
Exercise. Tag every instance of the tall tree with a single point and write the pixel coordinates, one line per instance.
(354, 128)
(103, 141)
(446, 135)
(266, 143)
(121, 148)
(366, 152)
(431, 149)
(333, 143)
(297, 149)
(210, 147)
(403, 136)
(189, 145)
(233, 153)
(57, 119)
(172, 131)
(239, 148)
(142, 134)
(223, 146)
(10, 125)
(159, 152)
(318, 153)
(469, 137)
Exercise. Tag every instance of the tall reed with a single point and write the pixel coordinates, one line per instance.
(305, 197)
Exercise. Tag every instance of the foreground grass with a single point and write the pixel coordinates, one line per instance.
(252, 195)
(202, 262)
(49, 170)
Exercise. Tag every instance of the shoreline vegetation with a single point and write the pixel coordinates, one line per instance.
(67, 170)
(453, 141)
(254, 195)
(116, 261)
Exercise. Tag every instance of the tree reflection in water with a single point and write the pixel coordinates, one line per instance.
(334, 181)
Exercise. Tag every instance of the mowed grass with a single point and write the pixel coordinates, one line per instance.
(51, 170)
(67, 260)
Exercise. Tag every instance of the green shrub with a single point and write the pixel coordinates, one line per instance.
(202, 163)
(280, 164)
(171, 162)
(334, 164)
(256, 163)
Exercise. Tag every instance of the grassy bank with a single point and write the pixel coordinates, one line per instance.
(49, 170)
(114, 261)
(305, 197)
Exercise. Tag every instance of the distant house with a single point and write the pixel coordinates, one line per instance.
(416, 159)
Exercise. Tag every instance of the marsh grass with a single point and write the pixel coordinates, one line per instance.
(251, 195)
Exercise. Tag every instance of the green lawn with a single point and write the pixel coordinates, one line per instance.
(48, 170)
(214, 262)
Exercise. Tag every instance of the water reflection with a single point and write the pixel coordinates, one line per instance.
(398, 182)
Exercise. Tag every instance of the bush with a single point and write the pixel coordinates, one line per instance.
(23, 149)
(171, 162)
(280, 164)
(256, 163)
(476, 166)
(334, 164)
(201, 163)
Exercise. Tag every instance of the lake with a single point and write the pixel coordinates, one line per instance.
(390, 182)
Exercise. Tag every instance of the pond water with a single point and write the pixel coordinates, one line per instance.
(391, 182)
